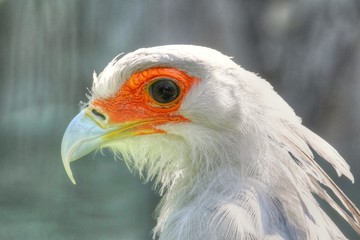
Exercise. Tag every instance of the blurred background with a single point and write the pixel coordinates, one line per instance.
(309, 50)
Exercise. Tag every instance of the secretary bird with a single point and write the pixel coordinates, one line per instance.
(228, 155)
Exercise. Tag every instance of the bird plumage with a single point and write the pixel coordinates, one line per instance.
(240, 167)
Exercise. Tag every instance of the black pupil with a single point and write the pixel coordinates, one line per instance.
(164, 90)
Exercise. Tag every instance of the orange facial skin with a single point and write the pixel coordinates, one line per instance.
(133, 103)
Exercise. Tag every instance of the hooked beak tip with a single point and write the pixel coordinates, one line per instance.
(66, 162)
(69, 172)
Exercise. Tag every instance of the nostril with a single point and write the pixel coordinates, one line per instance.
(98, 114)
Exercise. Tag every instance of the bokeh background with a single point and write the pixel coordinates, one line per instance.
(309, 50)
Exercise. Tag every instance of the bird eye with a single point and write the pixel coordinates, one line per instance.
(164, 90)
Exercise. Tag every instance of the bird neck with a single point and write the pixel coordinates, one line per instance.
(218, 173)
(205, 198)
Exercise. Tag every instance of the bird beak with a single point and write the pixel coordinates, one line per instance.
(82, 136)
(86, 133)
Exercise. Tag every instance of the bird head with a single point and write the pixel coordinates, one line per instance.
(159, 107)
